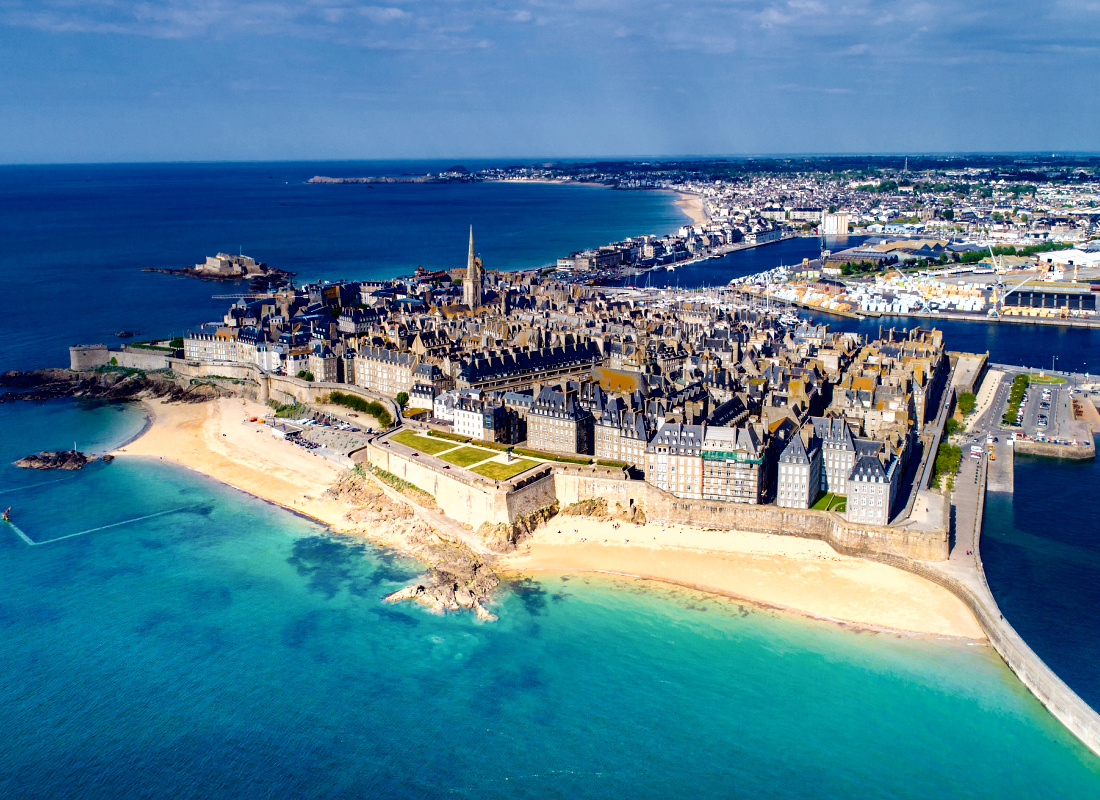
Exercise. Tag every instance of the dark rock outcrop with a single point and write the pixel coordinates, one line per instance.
(60, 459)
(108, 385)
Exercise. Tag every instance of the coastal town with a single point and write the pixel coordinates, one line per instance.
(467, 416)
(703, 397)
(981, 238)
(515, 400)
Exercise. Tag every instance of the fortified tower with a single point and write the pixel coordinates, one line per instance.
(471, 285)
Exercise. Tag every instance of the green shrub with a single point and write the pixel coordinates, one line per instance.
(305, 375)
(1015, 397)
(454, 437)
(290, 410)
(372, 407)
(948, 459)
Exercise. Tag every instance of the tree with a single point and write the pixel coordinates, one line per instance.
(948, 213)
(402, 399)
(953, 426)
(967, 402)
(177, 342)
(832, 209)
(305, 375)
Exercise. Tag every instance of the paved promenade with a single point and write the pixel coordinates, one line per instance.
(964, 575)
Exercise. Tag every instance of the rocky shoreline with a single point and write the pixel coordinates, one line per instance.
(120, 385)
(457, 577)
(267, 281)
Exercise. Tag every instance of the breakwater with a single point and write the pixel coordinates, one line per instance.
(1066, 706)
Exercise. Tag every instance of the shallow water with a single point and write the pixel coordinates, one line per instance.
(233, 649)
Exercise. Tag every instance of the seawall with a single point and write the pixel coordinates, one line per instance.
(1051, 450)
(964, 576)
(1064, 703)
(473, 500)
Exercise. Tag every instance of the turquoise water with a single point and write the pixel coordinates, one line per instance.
(231, 649)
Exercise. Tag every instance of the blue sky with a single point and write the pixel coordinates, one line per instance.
(135, 80)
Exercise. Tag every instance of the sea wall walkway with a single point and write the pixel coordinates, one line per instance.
(964, 575)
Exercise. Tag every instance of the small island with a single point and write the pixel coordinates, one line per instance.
(228, 267)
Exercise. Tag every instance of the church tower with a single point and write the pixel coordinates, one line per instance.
(471, 284)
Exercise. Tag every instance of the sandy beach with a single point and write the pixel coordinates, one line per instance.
(692, 205)
(800, 575)
(215, 439)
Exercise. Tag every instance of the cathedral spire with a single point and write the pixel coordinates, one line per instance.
(471, 285)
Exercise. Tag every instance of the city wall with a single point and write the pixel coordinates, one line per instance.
(1074, 451)
(844, 536)
(464, 499)
(91, 356)
(1048, 688)
(473, 501)
(262, 386)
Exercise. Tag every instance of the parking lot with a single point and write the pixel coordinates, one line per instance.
(1046, 412)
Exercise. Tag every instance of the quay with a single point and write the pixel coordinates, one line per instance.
(964, 574)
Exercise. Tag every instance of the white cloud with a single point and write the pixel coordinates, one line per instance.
(382, 14)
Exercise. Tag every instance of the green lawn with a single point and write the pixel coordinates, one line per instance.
(423, 443)
(1046, 379)
(465, 456)
(500, 472)
(831, 502)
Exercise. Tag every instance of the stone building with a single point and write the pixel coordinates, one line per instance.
(620, 434)
(838, 453)
(557, 422)
(323, 364)
(386, 371)
(211, 344)
(872, 487)
(733, 465)
(798, 477)
(674, 460)
(472, 283)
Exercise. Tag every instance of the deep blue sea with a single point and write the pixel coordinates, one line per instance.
(75, 238)
(166, 636)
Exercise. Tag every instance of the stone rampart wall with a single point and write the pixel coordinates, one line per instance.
(468, 502)
(1051, 691)
(1033, 448)
(531, 496)
(266, 386)
(473, 501)
(575, 485)
(87, 356)
(137, 358)
(661, 506)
